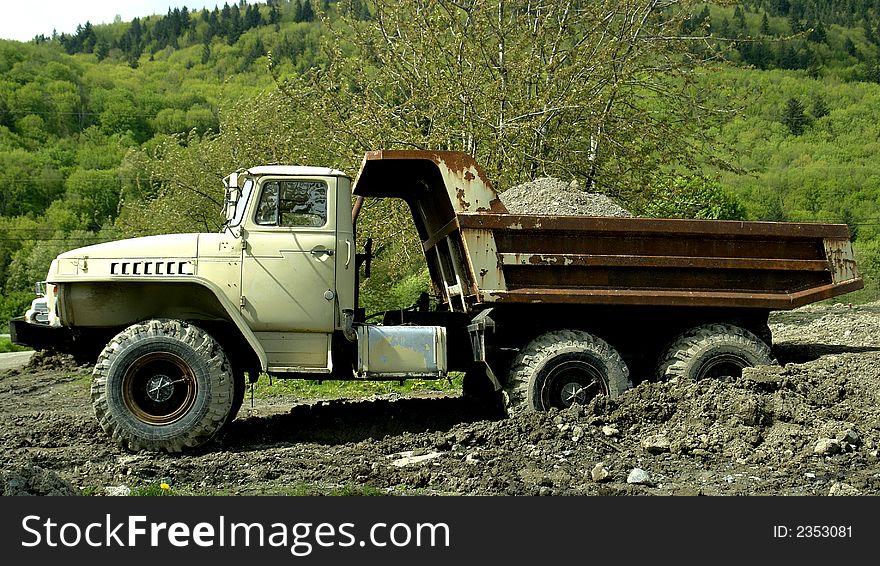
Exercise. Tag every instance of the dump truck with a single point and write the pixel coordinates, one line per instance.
(538, 312)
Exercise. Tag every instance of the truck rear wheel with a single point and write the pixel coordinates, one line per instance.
(712, 351)
(563, 367)
(162, 385)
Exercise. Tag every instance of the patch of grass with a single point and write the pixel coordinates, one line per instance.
(153, 490)
(304, 490)
(314, 389)
(6, 345)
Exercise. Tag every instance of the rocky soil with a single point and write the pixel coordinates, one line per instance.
(810, 426)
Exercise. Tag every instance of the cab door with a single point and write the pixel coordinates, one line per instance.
(289, 269)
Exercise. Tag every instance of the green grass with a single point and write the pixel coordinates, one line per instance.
(301, 490)
(6, 345)
(153, 490)
(314, 389)
(295, 490)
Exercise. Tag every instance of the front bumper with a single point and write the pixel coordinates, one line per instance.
(41, 336)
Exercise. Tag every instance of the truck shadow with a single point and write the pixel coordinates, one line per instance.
(354, 420)
(787, 353)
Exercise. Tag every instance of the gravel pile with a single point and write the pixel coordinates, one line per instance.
(548, 195)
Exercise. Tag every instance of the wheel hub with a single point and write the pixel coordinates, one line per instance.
(574, 393)
(576, 379)
(160, 388)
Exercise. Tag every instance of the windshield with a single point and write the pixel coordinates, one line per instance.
(241, 204)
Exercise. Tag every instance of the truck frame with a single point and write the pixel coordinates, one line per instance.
(538, 311)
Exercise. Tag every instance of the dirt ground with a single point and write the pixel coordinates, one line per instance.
(810, 426)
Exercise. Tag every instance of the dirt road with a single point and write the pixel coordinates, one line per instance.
(810, 426)
(14, 360)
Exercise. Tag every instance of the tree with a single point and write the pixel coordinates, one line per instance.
(739, 17)
(850, 48)
(102, 49)
(819, 109)
(869, 31)
(597, 91)
(817, 33)
(793, 116)
(693, 197)
(765, 25)
(308, 13)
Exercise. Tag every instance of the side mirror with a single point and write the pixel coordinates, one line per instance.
(232, 181)
(233, 192)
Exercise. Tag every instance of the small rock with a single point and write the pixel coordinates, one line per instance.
(656, 444)
(849, 437)
(408, 458)
(600, 473)
(843, 489)
(640, 477)
(610, 431)
(117, 491)
(472, 458)
(577, 433)
(463, 436)
(827, 447)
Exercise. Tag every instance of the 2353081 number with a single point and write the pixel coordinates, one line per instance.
(823, 531)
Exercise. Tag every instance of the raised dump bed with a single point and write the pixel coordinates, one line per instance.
(478, 254)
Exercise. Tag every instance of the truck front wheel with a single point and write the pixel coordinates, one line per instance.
(712, 351)
(563, 367)
(162, 385)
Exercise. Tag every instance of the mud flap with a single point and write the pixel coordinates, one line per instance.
(480, 324)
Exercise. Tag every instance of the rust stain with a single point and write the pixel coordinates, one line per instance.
(468, 176)
(461, 195)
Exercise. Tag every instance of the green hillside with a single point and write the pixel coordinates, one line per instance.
(762, 109)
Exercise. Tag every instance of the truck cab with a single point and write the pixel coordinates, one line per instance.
(292, 227)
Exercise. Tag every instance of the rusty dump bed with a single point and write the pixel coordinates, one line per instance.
(478, 254)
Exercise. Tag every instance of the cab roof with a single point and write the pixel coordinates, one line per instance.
(298, 170)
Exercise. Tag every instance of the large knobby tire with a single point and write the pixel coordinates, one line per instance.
(564, 367)
(713, 351)
(162, 385)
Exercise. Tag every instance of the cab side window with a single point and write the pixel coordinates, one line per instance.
(293, 204)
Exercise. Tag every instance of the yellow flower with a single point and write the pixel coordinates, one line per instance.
(164, 486)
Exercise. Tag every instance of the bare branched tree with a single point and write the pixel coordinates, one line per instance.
(599, 91)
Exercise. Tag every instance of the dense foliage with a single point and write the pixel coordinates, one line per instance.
(762, 109)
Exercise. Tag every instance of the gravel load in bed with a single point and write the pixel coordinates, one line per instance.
(549, 195)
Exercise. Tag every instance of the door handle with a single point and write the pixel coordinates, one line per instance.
(321, 251)
(347, 253)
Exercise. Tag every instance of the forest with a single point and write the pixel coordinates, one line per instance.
(761, 109)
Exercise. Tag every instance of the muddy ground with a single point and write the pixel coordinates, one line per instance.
(810, 426)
